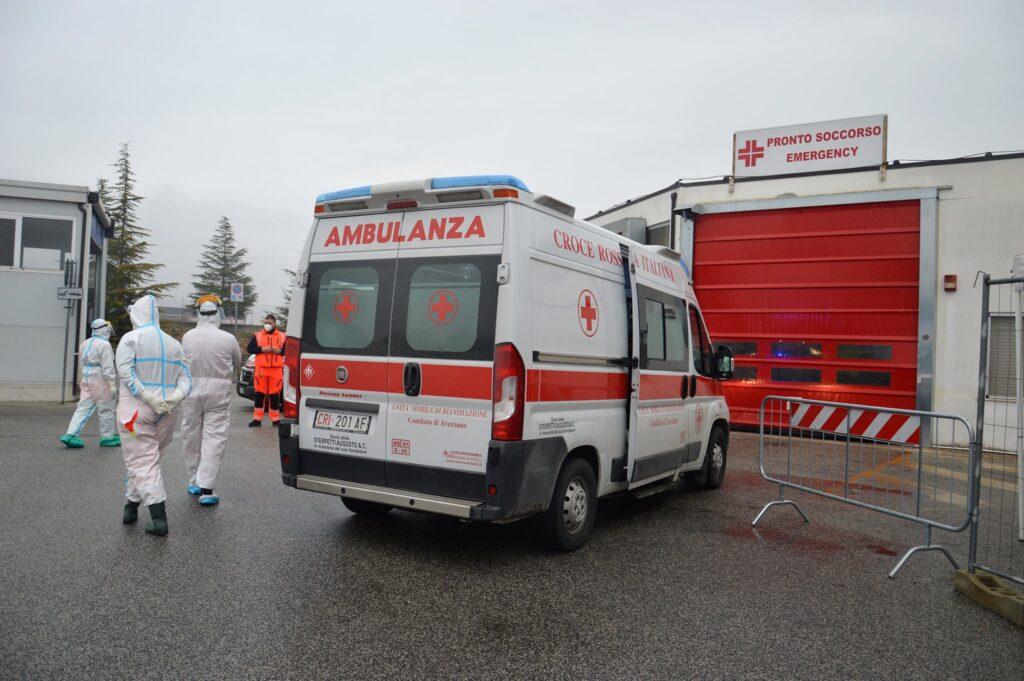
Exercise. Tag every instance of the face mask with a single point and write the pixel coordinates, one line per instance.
(268, 327)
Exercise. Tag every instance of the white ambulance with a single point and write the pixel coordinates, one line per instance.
(465, 347)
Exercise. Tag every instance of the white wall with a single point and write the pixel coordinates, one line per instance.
(980, 228)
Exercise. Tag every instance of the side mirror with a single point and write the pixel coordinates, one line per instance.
(723, 363)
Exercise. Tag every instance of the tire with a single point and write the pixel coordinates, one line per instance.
(367, 508)
(712, 473)
(569, 520)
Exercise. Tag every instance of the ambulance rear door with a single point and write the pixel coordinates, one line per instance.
(343, 367)
(659, 420)
(442, 350)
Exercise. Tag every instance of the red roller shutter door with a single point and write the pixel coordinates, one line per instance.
(818, 302)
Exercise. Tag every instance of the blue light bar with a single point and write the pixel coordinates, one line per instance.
(345, 194)
(477, 181)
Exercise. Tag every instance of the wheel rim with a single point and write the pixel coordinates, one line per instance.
(717, 458)
(575, 505)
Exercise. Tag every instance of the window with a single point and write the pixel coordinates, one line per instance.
(654, 336)
(1002, 357)
(796, 350)
(744, 373)
(794, 375)
(873, 378)
(7, 242)
(45, 243)
(865, 352)
(664, 342)
(740, 348)
(348, 306)
(703, 353)
(445, 308)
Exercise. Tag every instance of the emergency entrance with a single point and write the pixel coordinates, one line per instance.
(816, 301)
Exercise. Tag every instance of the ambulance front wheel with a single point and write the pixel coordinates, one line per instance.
(712, 473)
(363, 507)
(569, 520)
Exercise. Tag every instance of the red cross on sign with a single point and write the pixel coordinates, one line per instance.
(750, 153)
(443, 307)
(346, 307)
(586, 309)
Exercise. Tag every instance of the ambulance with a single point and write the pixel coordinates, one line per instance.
(463, 346)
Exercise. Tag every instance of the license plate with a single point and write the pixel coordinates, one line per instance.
(346, 423)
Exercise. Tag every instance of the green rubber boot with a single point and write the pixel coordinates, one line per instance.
(72, 441)
(131, 512)
(110, 441)
(157, 520)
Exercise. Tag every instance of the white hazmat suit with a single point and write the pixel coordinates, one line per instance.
(154, 380)
(213, 357)
(97, 388)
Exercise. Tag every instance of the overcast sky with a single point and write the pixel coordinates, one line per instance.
(251, 109)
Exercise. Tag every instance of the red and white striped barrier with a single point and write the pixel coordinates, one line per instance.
(877, 425)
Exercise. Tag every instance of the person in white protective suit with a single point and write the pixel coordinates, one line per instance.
(213, 357)
(154, 381)
(98, 388)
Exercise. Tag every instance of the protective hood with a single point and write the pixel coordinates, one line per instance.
(209, 314)
(101, 329)
(144, 312)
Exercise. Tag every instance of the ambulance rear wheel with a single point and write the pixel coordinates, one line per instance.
(569, 520)
(363, 507)
(712, 473)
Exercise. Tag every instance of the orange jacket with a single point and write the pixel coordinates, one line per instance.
(272, 340)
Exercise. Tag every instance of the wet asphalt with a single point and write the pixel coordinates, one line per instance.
(277, 583)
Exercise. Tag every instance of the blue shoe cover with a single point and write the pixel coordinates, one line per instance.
(209, 500)
(194, 490)
(110, 441)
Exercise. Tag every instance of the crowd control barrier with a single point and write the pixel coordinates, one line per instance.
(997, 530)
(912, 465)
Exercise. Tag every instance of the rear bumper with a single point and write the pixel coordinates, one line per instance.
(521, 475)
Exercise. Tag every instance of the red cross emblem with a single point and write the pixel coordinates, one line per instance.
(699, 418)
(346, 307)
(750, 153)
(586, 309)
(442, 307)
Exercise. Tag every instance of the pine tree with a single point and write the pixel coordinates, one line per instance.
(220, 265)
(281, 311)
(129, 276)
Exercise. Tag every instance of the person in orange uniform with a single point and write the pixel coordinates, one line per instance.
(268, 346)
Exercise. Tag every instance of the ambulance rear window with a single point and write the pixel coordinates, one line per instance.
(349, 302)
(444, 303)
(445, 308)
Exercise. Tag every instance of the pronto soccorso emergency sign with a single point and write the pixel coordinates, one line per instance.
(810, 147)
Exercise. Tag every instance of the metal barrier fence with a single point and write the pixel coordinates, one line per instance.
(904, 463)
(997, 531)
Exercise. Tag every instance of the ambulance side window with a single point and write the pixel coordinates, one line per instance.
(703, 353)
(664, 342)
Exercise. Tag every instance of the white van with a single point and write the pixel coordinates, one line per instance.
(463, 346)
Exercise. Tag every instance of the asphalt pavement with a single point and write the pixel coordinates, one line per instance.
(277, 583)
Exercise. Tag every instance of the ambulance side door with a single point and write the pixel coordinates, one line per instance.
(660, 397)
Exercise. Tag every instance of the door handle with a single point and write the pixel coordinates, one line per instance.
(411, 378)
(693, 385)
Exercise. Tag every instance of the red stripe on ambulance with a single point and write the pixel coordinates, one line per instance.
(553, 385)
(661, 387)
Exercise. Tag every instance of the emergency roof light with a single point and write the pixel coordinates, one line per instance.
(399, 195)
(477, 181)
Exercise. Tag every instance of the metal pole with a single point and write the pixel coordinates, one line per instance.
(1019, 328)
(236, 317)
(979, 426)
(64, 362)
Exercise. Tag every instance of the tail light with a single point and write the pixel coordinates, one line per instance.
(507, 393)
(292, 393)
